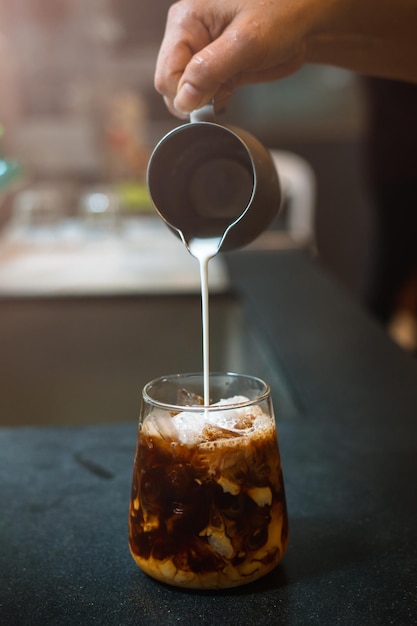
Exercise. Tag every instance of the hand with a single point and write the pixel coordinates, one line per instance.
(211, 47)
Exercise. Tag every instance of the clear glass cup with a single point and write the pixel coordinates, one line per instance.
(208, 508)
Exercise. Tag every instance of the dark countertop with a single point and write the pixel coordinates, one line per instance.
(349, 451)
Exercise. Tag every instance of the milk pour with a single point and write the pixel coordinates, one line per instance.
(218, 182)
(204, 250)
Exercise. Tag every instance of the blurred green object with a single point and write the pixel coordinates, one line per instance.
(134, 197)
(9, 170)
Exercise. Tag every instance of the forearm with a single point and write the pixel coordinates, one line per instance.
(376, 37)
(211, 47)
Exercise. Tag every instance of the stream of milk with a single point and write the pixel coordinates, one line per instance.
(204, 250)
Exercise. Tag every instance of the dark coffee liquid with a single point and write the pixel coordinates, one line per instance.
(211, 514)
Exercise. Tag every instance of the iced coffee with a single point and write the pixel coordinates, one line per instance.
(208, 505)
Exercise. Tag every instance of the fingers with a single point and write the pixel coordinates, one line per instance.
(194, 79)
(200, 55)
(208, 50)
(185, 35)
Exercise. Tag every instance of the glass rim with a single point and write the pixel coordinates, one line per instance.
(202, 407)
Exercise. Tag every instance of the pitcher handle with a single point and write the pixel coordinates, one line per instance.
(204, 114)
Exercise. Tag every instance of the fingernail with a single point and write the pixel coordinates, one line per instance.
(187, 99)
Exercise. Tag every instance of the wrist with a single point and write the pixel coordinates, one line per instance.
(328, 30)
(376, 37)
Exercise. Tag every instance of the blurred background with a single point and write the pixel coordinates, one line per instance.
(78, 114)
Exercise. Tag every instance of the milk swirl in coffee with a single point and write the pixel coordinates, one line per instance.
(208, 503)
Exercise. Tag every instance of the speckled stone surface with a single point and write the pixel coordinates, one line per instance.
(350, 467)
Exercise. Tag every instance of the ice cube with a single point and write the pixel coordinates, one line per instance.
(189, 426)
(193, 427)
(160, 425)
(187, 398)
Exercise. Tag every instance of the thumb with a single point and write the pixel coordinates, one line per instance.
(213, 72)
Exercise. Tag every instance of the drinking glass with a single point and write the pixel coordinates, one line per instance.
(208, 506)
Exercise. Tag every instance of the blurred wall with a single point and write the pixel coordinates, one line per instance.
(77, 75)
